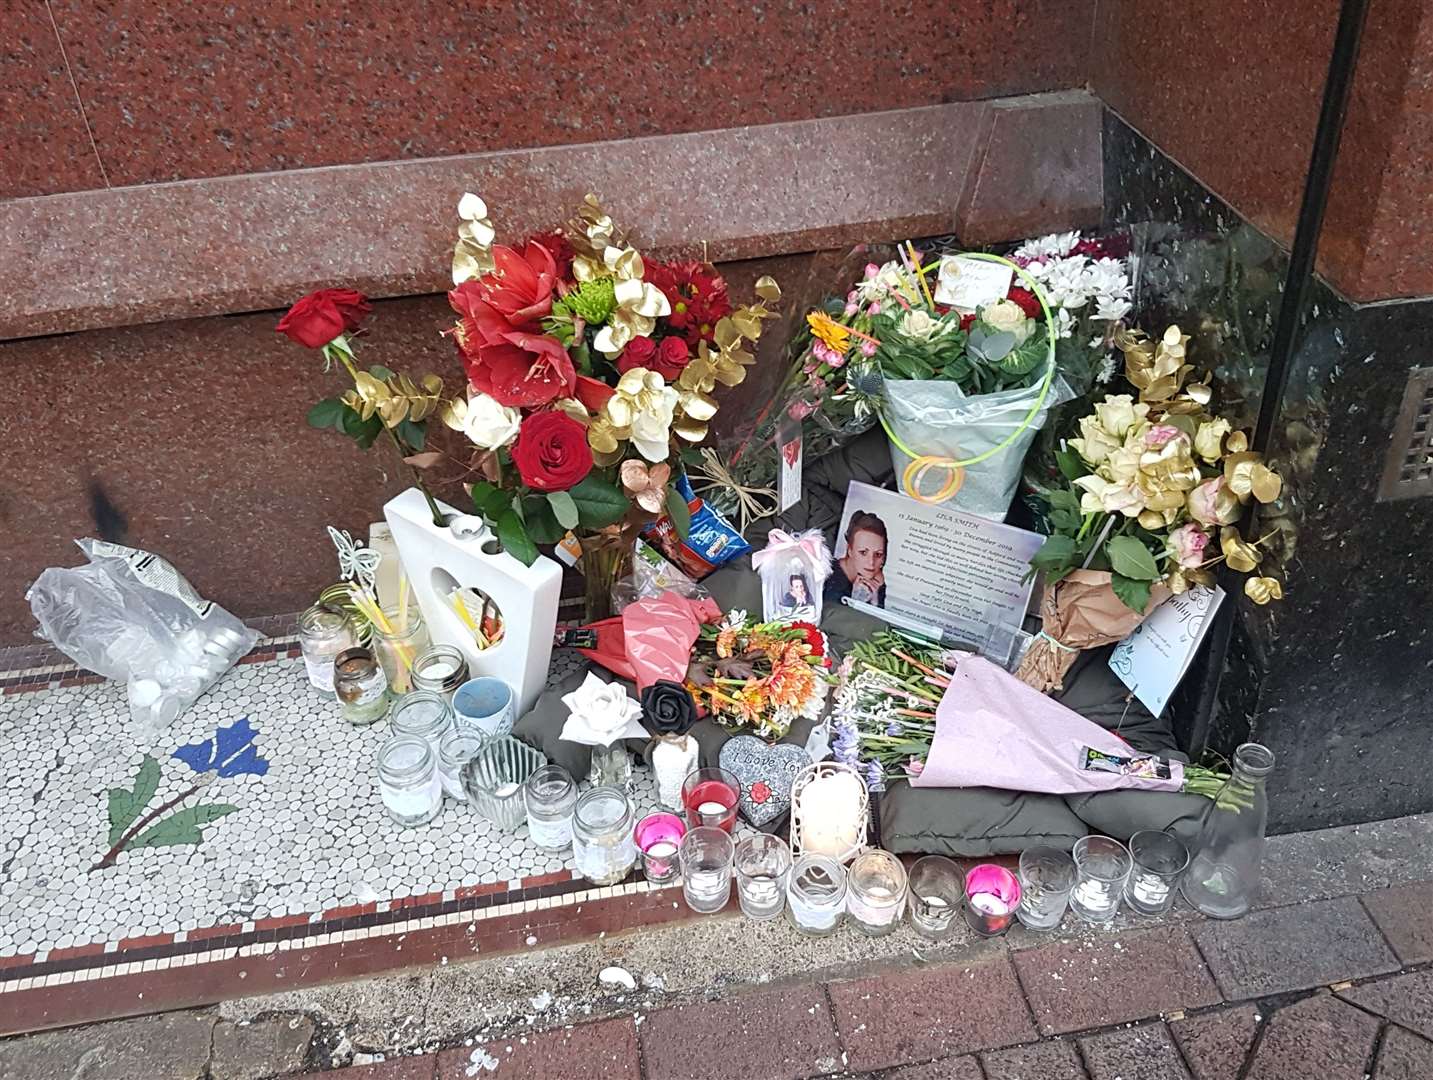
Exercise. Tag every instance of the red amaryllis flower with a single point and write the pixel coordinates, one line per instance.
(522, 371)
(1028, 302)
(551, 451)
(697, 294)
(321, 316)
(558, 247)
(593, 393)
(515, 295)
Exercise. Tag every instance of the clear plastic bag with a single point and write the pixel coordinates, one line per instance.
(130, 615)
(938, 420)
(651, 576)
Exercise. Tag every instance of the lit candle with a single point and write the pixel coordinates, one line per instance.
(506, 791)
(658, 836)
(992, 894)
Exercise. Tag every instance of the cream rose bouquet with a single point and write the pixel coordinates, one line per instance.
(1154, 486)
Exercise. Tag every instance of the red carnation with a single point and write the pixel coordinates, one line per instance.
(666, 357)
(1029, 303)
(321, 316)
(551, 451)
(697, 294)
(522, 370)
(814, 637)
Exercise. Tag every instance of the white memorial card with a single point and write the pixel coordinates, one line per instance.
(930, 564)
(1154, 657)
(966, 284)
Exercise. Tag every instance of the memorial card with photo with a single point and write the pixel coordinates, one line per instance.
(930, 565)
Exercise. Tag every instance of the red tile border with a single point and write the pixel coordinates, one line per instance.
(70, 953)
(553, 878)
(23, 960)
(145, 941)
(203, 932)
(348, 911)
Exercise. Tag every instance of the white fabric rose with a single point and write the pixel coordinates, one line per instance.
(600, 713)
(486, 423)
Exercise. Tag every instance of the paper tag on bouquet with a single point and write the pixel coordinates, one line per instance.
(1154, 657)
(966, 284)
(791, 448)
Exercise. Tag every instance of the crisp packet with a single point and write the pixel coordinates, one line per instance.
(712, 541)
(1143, 765)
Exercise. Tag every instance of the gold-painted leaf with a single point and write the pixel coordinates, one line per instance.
(1240, 556)
(768, 289)
(1263, 589)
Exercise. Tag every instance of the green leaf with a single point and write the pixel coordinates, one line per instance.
(126, 806)
(182, 826)
(481, 490)
(1134, 594)
(413, 434)
(495, 504)
(1131, 559)
(514, 538)
(599, 503)
(378, 371)
(1072, 466)
(1056, 555)
(541, 525)
(326, 414)
(563, 508)
(679, 512)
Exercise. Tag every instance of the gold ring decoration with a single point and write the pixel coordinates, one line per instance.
(916, 471)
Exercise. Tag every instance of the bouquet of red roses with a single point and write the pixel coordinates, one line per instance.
(590, 370)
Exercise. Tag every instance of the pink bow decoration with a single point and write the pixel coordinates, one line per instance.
(811, 544)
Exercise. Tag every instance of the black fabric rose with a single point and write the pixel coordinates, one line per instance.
(668, 709)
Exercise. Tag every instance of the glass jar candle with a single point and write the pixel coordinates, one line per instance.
(936, 890)
(1159, 860)
(602, 841)
(659, 838)
(710, 798)
(440, 669)
(424, 714)
(455, 749)
(408, 780)
(706, 854)
(876, 892)
(1102, 866)
(323, 634)
(398, 646)
(550, 794)
(762, 864)
(992, 894)
(360, 686)
(816, 895)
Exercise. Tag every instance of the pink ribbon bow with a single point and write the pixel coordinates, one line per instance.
(811, 543)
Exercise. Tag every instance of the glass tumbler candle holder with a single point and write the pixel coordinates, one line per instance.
(424, 714)
(706, 856)
(1159, 860)
(710, 797)
(550, 793)
(659, 837)
(602, 842)
(763, 867)
(1047, 875)
(455, 750)
(1101, 867)
(935, 890)
(816, 895)
(398, 647)
(992, 893)
(876, 892)
(493, 781)
(408, 781)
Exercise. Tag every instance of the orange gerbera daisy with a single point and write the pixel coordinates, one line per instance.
(829, 331)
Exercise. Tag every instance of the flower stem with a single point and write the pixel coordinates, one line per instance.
(113, 853)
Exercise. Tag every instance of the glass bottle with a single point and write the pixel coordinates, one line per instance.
(1223, 876)
(611, 766)
(323, 634)
(602, 841)
(440, 669)
(360, 687)
(398, 651)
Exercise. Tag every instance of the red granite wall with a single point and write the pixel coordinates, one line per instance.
(1231, 90)
(175, 91)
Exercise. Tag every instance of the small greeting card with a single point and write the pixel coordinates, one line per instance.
(1154, 657)
(966, 284)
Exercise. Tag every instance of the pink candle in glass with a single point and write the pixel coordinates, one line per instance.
(992, 893)
(710, 798)
(658, 838)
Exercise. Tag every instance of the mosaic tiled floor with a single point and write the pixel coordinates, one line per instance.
(307, 859)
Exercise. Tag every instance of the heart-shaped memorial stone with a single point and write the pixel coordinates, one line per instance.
(765, 772)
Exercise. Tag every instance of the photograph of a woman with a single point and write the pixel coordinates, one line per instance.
(797, 602)
(859, 571)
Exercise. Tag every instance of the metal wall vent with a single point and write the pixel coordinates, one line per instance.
(1408, 469)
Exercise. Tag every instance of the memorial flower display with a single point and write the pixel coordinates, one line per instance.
(759, 677)
(1153, 487)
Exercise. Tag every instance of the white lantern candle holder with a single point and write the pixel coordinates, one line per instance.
(830, 810)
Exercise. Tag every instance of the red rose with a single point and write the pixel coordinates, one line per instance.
(666, 357)
(640, 353)
(551, 451)
(322, 316)
(521, 370)
(1028, 302)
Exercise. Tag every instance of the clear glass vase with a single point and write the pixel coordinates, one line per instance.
(606, 560)
(611, 767)
(1223, 876)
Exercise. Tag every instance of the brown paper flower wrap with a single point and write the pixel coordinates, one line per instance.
(1080, 611)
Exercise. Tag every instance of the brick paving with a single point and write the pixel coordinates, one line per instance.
(1329, 989)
